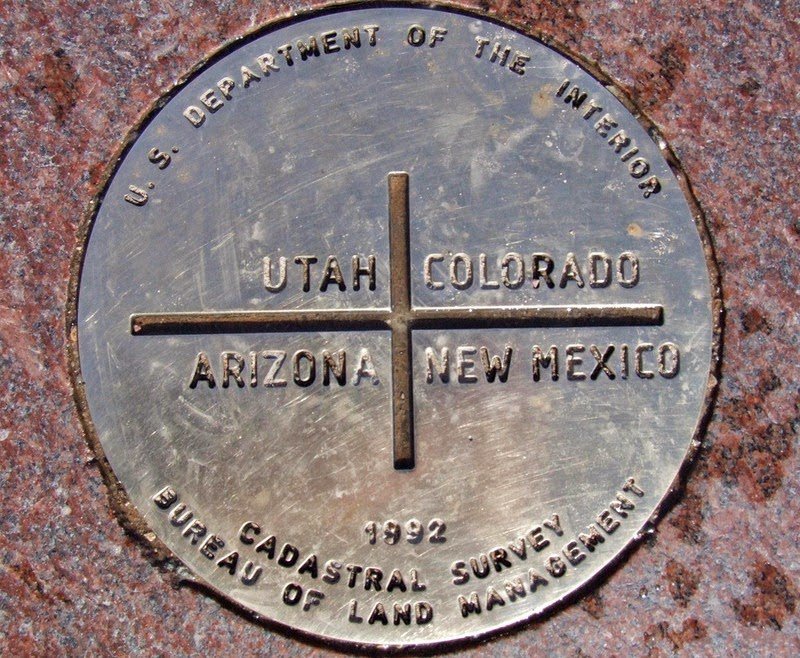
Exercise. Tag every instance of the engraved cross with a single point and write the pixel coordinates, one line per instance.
(401, 319)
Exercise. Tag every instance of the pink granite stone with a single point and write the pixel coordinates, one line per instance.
(721, 575)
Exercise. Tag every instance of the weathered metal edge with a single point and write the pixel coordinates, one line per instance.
(132, 521)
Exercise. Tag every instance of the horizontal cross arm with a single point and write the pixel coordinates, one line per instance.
(211, 322)
(588, 315)
(223, 322)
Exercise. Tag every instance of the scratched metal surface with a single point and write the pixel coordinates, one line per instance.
(297, 164)
(720, 575)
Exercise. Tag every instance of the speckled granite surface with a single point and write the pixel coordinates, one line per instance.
(721, 576)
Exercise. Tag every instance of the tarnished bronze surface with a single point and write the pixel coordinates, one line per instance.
(718, 577)
(516, 302)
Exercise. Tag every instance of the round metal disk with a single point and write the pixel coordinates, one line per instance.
(394, 325)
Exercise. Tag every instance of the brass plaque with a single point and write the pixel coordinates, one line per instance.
(394, 325)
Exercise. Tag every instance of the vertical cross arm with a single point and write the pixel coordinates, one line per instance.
(400, 287)
(402, 409)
